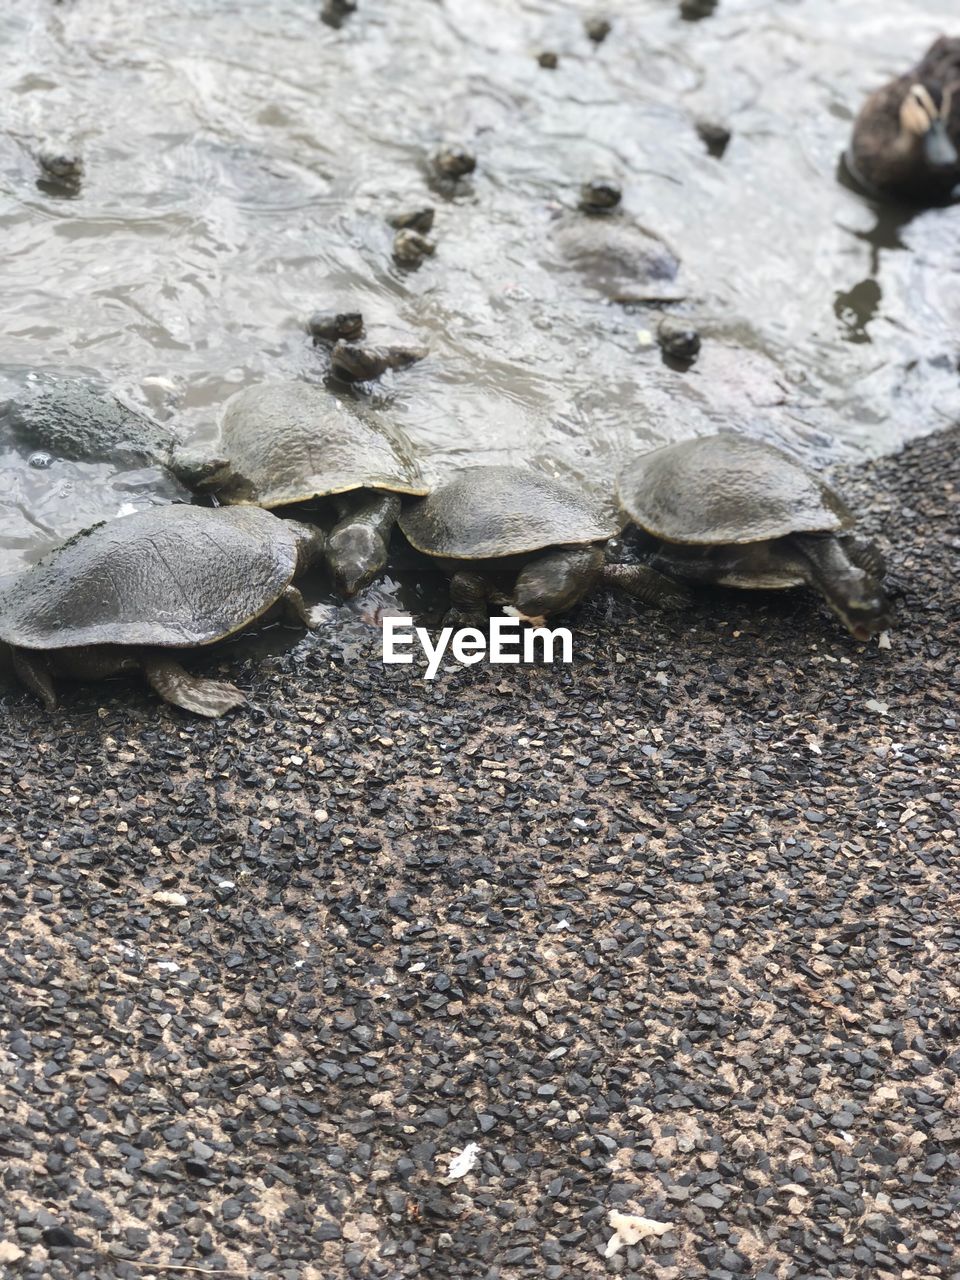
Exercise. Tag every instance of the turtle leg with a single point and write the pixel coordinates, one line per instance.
(470, 595)
(866, 555)
(297, 609)
(647, 585)
(356, 549)
(33, 672)
(203, 697)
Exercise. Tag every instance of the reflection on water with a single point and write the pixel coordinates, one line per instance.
(241, 160)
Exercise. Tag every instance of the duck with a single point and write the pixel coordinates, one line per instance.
(906, 139)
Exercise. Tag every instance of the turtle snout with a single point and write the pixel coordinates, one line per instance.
(351, 575)
(867, 614)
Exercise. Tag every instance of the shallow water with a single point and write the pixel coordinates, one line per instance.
(241, 158)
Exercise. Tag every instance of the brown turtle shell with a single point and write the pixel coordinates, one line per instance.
(484, 513)
(722, 489)
(171, 576)
(288, 442)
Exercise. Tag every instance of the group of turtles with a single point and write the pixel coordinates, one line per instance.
(132, 592)
(724, 509)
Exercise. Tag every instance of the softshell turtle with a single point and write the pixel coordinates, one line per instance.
(906, 138)
(73, 420)
(128, 593)
(517, 521)
(737, 512)
(288, 442)
(615, 255)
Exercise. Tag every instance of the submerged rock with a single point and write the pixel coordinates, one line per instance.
(614, 254)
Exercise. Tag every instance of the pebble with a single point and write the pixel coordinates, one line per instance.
(678, 339)
(419, 219)
(332, 326)
(454, 161)
(410, 247)
(714, 136)
(718, 1015)
(597, 28)
(335, 12)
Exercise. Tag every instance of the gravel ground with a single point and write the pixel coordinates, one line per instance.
(671, 932)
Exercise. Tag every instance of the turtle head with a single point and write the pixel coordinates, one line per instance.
(198, 469)
(355, 554)
(598, 195)
(858, 600)
(555, 582)
(924, 113)
(853, 592)
(862, 606)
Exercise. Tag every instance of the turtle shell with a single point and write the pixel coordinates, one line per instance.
(619, 258)
(289, 442)
(487, 512)
(722, 489)
(174, 576)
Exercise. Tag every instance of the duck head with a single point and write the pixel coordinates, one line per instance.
(923, 114)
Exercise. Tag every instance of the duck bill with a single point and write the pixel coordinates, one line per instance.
(938, 147)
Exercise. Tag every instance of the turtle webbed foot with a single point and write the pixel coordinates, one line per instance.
(640, 582)
(471, 595)
(203, 697)
(298, 611)
(866, 555)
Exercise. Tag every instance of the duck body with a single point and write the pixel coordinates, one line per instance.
(906, 139)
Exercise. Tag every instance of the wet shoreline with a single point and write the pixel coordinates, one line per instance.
(671, 931)
(240, 170)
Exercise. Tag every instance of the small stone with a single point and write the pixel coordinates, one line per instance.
(335, 12)
(694, 10)
(59, 1237)
(167, 898)
(353, 362)
(548, 60)
(67, 166)
(410, 247)
(678, 339)
(715, 137)
(332, 326)
(453, 161)
(597, 28)
(420, 219)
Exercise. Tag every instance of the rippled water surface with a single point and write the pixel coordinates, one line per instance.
(241, 157)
